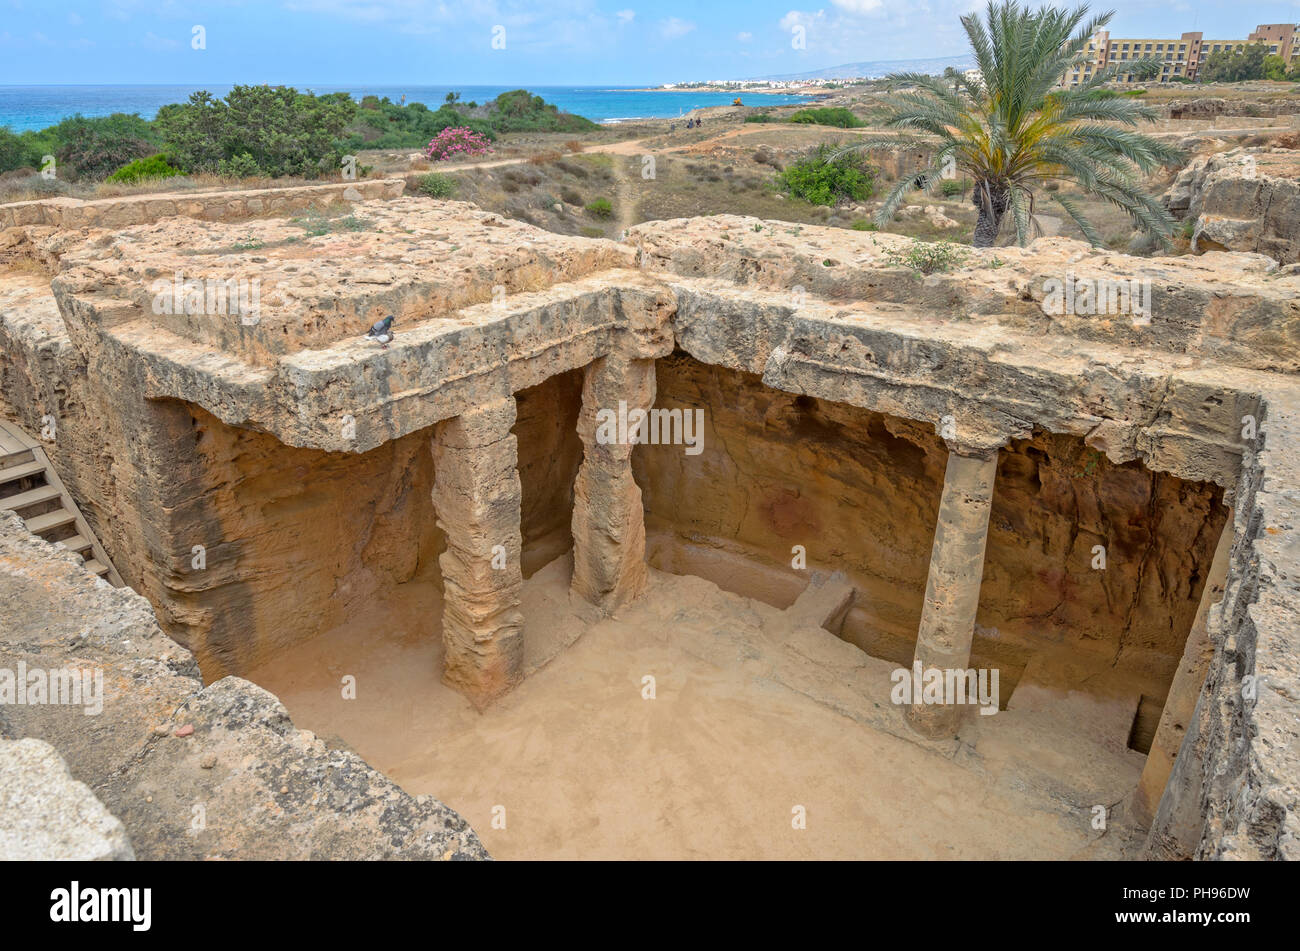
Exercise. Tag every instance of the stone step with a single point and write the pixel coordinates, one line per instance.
(1086, 698)
(824, 603)
(16, 503)
(16, 458)
(50, 520)
(77, 543)
(96, 567)
(22, 470)
(22, 457)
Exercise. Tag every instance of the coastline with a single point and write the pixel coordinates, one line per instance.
(768, 91)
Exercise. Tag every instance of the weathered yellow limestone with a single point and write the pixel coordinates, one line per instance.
(609, 566)
(476, 494)
(1177, 728)
(952, 591)
(298, 452)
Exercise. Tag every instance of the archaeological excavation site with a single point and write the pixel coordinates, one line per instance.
(729, 539)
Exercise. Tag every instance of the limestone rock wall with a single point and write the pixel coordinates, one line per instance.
(1210, 107)
(164, 750)
(210, 205)
(294, 541)
(860, 491)
(1242, 200)
(549, 455)
(1234, 792)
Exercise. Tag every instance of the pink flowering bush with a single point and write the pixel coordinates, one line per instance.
(457, 142)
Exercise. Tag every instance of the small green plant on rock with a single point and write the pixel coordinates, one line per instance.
(144, 169)
(926, 257)
(436, 186)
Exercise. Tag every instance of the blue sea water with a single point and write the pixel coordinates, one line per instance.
(35, 107)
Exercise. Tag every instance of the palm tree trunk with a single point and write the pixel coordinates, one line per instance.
(991, 201)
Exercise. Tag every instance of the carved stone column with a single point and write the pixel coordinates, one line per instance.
(952, 593)
(609, 566)
(476, 495)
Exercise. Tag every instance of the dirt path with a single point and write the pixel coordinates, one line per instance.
(625, 200)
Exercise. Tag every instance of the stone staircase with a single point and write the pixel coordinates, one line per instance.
(31, 488)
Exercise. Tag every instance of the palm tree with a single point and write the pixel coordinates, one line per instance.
(1013, 131)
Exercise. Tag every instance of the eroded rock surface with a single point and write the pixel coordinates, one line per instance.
(191, 771)
(298, 453)
(47, 815)
(1242, 200)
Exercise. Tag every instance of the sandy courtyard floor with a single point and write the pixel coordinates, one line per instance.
(749, 726)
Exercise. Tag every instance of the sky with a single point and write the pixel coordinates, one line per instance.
(506, 42)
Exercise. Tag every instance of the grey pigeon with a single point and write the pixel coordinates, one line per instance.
(382, 331)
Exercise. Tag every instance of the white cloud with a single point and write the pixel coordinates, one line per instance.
(125, 9)
(746, 37)
(805, 19)
(860, 7)
(850, 31)
(154, 42)
(75, 19)
(413, 12)
(625, 16)
(674, 27)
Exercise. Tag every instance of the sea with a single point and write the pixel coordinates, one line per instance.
(36, 107)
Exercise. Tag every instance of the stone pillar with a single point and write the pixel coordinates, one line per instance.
(952, 593)
(476, 495)
(1179, 713)
(609, 566)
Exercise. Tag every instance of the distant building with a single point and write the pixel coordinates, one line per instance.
(1179, 58)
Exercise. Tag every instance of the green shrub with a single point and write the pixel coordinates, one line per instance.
(951, 187)
(242, 165)
(837, 116)
(95, 148)
(926, 257)
(862, 224)
(15, 152)
(759, 117)
(154, 166)
(257, 130)
(600, 208)
(821, 180)
(521, 111)
(436, 186)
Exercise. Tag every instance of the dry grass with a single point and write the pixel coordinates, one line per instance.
(543, 158)
(22, 265)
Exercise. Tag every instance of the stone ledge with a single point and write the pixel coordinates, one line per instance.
(46, 815)
(208, 205)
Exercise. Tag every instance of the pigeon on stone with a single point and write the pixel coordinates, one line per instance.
(382, 331)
